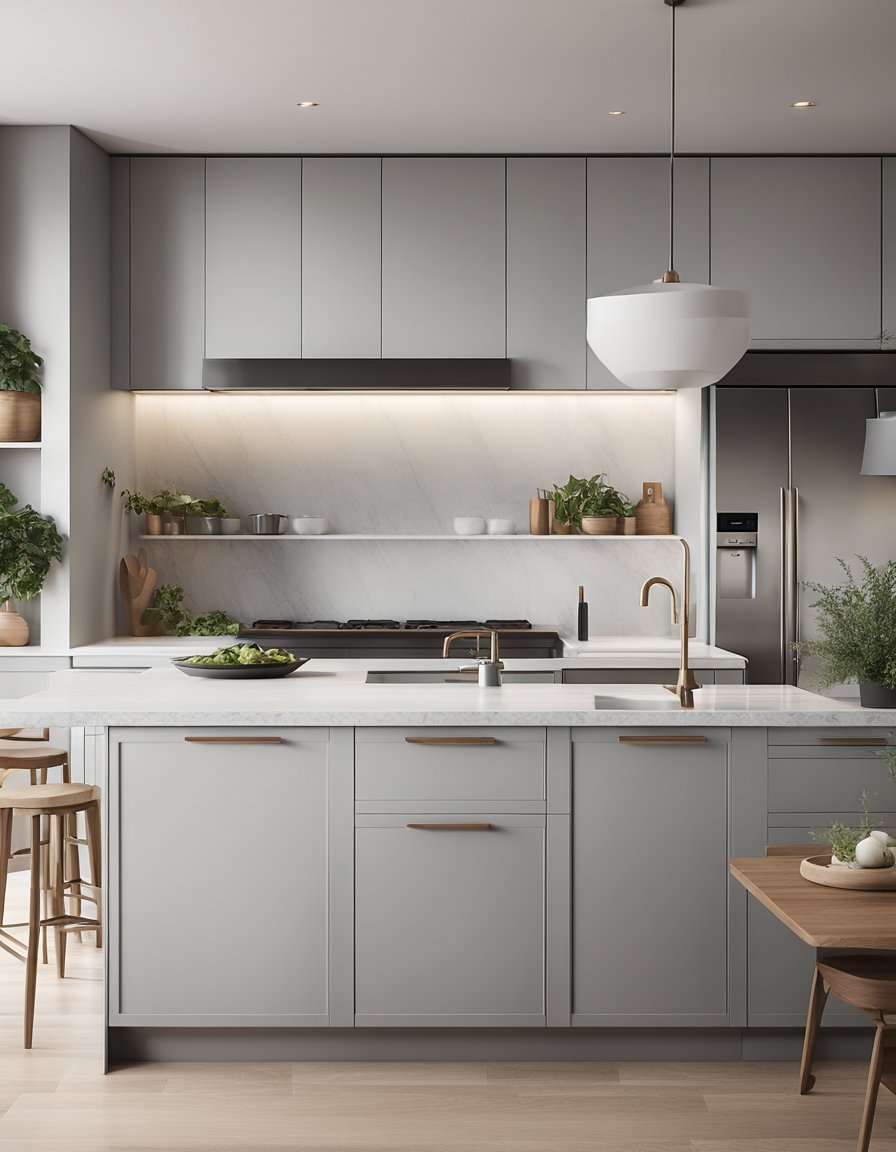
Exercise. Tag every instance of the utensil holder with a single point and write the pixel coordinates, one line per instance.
(539, 516)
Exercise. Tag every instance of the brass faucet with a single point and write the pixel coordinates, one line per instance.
(685, 685)
(489, 670)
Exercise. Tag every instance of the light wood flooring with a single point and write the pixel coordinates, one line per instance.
(54, 1098)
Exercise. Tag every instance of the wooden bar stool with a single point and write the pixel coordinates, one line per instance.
(56, 802)
(20, 751)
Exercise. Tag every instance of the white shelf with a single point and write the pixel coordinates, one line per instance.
(292, 538)
(19, 443)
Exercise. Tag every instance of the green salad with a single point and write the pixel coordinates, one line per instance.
(242, 654)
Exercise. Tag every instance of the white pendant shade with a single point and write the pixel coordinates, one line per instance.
(880, 446)
(660, 336)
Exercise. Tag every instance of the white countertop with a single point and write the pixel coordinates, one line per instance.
(321, 694)
(597, 652)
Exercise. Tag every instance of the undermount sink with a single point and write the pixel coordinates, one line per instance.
(452, 676)
(646, 698)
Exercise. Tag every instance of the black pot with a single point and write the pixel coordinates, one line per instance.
(872, 695)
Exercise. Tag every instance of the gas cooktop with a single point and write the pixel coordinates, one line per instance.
(390, 625)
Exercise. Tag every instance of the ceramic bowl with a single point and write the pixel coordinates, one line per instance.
(230, 525)
(499, 527)
(266, 523)
(469, 525)
(309, 525)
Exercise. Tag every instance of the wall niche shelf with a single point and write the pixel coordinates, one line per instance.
(294, 538)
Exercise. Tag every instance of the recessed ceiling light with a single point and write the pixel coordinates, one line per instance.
(803, 104)
(307, 104)
(615, 113)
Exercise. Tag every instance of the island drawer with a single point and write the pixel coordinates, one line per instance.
(828, 783)
(815, 738)
(435, 764)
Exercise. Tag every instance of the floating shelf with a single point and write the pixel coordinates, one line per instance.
(294, 538)
(19, 443)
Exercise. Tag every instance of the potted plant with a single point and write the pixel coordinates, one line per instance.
(568, 499)
(150, 506)
(29, 543)
(857, 626)
(20, 386)
(603, 508)
(203, 516)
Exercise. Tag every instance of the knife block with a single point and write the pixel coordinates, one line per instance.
(653, 516)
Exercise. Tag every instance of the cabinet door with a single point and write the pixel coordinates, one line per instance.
(802, 235)
(443, 257)
(888, 253)
(650, 883)
(450, 923)
(546, 271)
(253, 257)
(218, 875)
(341, 256)
(628, 229)
(167, 271)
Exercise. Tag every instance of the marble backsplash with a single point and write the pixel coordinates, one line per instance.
(409, 464)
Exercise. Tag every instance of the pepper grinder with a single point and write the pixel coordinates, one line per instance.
(583, 614)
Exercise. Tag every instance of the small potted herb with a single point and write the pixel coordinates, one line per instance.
(29, 543)
(603, 508)
(568, 499)
(20, 386)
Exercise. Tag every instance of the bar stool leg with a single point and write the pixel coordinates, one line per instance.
(817, 1000)
(874, 1071)
(5, 849)
(33, 930)
(57, 840)
(95, 854)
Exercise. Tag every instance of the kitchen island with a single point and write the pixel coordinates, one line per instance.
(324, 867)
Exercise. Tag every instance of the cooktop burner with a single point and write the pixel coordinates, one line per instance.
(391, 625)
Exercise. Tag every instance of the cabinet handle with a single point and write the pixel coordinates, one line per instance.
(662, 739)
(233, 739)
(451, 827)
(457, 741)
(858, 742)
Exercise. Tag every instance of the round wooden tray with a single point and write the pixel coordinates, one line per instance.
(820, 870)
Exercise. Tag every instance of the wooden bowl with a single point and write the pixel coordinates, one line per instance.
(820, 870)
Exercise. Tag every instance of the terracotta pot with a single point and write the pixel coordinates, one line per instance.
(13, 629)
(599, 525)
(19, 416)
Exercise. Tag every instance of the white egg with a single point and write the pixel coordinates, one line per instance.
(870, 853)
(883, 837)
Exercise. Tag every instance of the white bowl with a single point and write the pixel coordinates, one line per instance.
(500, 527)
(309, 525)
(230, 525)
(469, 525)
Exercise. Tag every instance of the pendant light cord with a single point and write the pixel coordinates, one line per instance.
(672, 154)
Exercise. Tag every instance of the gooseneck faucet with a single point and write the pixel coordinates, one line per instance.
(685, 685)
(489, 670)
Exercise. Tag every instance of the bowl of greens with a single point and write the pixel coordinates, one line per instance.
(241, 662)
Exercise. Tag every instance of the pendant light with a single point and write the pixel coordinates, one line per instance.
(879, 457)
(668, 334)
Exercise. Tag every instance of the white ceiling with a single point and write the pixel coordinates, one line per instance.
(465, 76)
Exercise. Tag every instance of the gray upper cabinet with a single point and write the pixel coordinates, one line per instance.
(253, 255)
(341, 260)
(167, 271)
(888, 253)
(655, 814)
(443, 257)
(546, 272)
(802, 235)
(628, 229)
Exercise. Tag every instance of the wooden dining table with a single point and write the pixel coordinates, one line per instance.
(823, 917)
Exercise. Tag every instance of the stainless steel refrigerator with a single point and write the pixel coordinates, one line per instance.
(789, 500)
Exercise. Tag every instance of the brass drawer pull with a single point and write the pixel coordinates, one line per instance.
(451, 827)
(662, 739)
(860, 742)
(451, 741)
(233, 739)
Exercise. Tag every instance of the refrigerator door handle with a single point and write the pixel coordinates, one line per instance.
(795, 590)
(783, 606)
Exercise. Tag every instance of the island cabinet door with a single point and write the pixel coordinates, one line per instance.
(450, 920)
(650, 851)
(218, 877)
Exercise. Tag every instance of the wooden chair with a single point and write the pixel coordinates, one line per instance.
(56, 803)
(864, 981)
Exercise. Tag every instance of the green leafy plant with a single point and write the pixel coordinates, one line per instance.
(603, 499)
(857, 622)
(171, 500)
(568, 500)
(842, 838)
(108, 478)
(29, 543)
(588, 496)
(168, 606)
(19, 363)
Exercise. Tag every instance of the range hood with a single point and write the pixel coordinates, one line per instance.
(796, 368)
(393, 375)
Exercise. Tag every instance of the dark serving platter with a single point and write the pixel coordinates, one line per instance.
(240, 671)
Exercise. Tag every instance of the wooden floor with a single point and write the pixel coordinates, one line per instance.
(54, 1098)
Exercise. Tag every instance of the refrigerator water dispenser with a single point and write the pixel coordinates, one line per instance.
(736, 536)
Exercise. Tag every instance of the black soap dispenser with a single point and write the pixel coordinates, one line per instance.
(583, 614)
